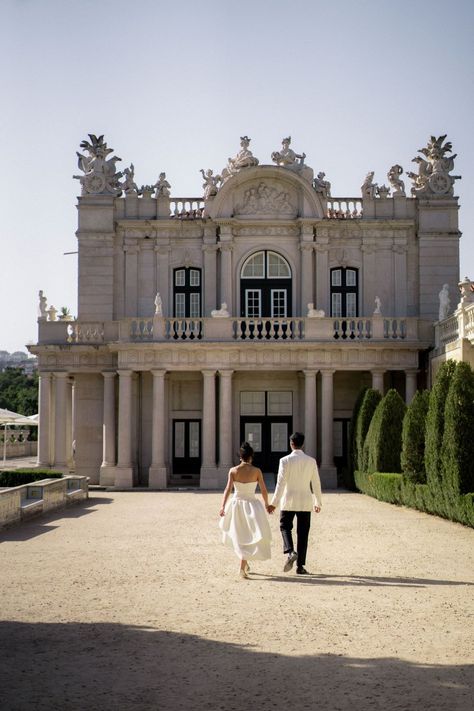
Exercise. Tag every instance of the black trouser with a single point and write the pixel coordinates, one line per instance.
(303, 522)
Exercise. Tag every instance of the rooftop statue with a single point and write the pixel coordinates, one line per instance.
(397, 184)
(433, 170)
(129, 185)
(322, 186)
(210, 183)
(163, 188)
(243, 159)
(100, 174)
(287, 157)
(42, 306)
(444, 302)
(368, 187)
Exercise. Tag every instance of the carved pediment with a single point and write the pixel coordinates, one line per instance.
(263, 199)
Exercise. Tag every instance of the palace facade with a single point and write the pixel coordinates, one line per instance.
(259, 309)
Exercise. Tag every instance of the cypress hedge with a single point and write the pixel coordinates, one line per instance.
(353, 452)
(435, 425)
(369, 404)
(458, 444)
(413, 437)
(383, 443)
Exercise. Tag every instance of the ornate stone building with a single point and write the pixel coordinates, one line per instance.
(259, 309)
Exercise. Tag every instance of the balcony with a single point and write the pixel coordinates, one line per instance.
(381, 330)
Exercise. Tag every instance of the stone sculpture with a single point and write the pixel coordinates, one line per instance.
(322, 186)
(433, 176)
(243, 159)
(42, 306)
(369, 188)
(287, 157)
(265, 199)
(129, 185)
(378, 306)
(314, 313)
(52, 313)
(210, 183)
(100, 174)
(163, 188)
(466, 287)
(397, 184)
(220, 313)
(158, 305)
(444, 302)
(383, 191)
(147, 191)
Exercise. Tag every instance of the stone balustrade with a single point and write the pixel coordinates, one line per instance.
(344, 208)
(18, 503)
(186, 207)
(457, 326)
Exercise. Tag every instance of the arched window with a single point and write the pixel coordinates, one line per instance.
(265, 286)
(187, 292)
(344, 292)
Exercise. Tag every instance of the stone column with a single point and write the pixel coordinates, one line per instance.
(225, 424)
(377, 380)
(162, 255)
(322, 272)
(410, 385)
(328, 470)
(226, 277)
(158, 474)
(44, 430)
(209, 474)
(69, 423)
(124, 469)
(306, 295)
(131, 280)
(60, 422)
(400, 275)
(210, 277)
(310, 423)
(107, 468)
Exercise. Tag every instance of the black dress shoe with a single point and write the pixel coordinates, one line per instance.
(301, 571)
(290, 561)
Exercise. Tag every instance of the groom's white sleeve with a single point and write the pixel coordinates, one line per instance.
(280, 485)
(316, 486)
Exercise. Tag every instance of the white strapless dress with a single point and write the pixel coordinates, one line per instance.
(244, 525)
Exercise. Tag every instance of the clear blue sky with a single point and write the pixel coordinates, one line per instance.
(173, 85)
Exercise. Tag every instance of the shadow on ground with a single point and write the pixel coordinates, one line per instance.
(113, 667)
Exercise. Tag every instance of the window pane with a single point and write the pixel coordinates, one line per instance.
(179, 277)
(252, 305)
(179, 439)
(194, 439)
(253, 435)
(254, 267)
(336, 277)
(280, 403)
(351, 305)
(179, 306)
(194, 306)
(194, 277)
(252, 403)
(351, 277)
(279, 437)
(278, 303)
(277, 266)
(336, 305)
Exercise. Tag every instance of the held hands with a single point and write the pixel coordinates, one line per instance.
(270, 508)
(317, 509)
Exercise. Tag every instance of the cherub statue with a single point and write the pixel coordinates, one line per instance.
(322, 186)
(42, 304)
(444, 302)
(287, 157)
(129, 185)
(397, 184)
(162, 186)
(210, 183)
(369, 188)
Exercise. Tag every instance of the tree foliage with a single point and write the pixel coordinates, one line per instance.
(458, 443)
(353, 452)
(413, 437)
(383, 443)
(369, 404)
(18, 391)
(435, 425)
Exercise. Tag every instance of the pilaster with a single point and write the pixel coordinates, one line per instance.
(328, 470)
(124, 469)
(158, 473)
(44, 429)
(225, 423)
(107, 468)
(60, 422)
(209, 474)
(310, 422)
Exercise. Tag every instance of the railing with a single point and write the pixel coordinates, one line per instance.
(352, 329)
(186, 208)
(80, 332)
(345, 208)
(268, 329)
(183, 329)
(457, 326)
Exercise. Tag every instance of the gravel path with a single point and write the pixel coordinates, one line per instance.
(129, 601)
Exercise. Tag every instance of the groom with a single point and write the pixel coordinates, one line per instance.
(299, 489)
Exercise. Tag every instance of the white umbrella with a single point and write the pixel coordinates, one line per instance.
(9, 419)
(8, 416)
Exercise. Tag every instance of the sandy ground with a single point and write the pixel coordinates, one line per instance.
(129, 601)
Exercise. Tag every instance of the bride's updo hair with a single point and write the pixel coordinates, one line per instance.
(246, 452)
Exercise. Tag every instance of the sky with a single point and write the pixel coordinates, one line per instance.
(359, 85)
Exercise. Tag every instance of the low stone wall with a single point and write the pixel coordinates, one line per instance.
(18, 503)
(19, 449)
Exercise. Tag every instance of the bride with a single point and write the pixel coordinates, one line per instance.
(243, 522)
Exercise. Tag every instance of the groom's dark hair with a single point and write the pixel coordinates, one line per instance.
(297, 439)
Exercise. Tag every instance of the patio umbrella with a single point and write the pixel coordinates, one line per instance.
(9, 419)
(8, 416)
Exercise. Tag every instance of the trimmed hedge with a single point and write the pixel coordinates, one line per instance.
(353, 453)
(412, 457)
(435, 425)
(369, 404)
(383, 443)
(398, 489)
(18, 477)
(458, 446)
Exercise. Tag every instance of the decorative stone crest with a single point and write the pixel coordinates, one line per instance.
(397, 184)
(243, 159)
(265, 200)
(100, 174)
(433, 170)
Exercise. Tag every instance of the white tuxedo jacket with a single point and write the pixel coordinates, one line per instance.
(298, 486)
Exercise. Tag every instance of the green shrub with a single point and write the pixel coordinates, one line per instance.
(353, 453)
(17, 477)
(435, 425)
(412, 458)
(384, 486)
(369, 404)
(383, 443)
(458, 442)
